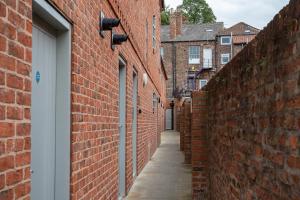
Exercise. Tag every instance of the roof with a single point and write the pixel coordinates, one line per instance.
(193, 32)
(239, 29)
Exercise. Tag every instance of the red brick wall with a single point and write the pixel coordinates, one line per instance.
(181, 128)
(199, 146)
(94, 148)
(187, 132)
(15, 99)
(253, 117)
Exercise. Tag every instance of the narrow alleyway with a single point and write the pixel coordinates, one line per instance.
(166, 176)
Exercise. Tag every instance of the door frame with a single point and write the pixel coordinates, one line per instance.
(135, 90)
(47, 13)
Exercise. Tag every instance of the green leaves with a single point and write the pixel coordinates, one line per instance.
(165, 16)
(198, 11)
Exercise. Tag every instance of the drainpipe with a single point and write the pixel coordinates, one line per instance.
(174, 65)
(231, 46)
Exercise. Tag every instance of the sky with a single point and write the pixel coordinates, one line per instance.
(255, 12)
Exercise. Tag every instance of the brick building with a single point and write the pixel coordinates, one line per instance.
(78, 120)
(193, 53)
(230, 41)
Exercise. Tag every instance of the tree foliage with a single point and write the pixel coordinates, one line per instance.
(165, 16)
(198, 11)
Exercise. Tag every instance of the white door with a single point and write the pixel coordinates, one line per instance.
(207, 58)
(122, 129)
(43, 114)
(169, 119)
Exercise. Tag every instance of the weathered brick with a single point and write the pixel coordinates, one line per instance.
(2, 181)
(7, 62)
(7, 95)
(14, 81)
(6, 162)
(23, 69)
(8, 30)
(14, 177)
(7, 129)
(293, 162)
(24, 39)
(2, 78)
(7, 194)
(3, 43)
(22, 190)
(22, 159)
(23, 99)
(14, 113)
(23, 129)
(16, 19)
(16, 50)
(2, 10)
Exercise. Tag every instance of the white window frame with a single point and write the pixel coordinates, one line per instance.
(224, 55)
(200, 83)
(194, 58)
(226, 43)
(154, 32)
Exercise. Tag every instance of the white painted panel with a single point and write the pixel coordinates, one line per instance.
(43, 115)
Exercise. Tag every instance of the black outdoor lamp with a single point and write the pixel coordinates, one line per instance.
(117, 39)
(106, 24)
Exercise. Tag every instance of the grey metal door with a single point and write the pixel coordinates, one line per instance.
(43, 114)
(122, 127)
(169, 119)
(134, 123)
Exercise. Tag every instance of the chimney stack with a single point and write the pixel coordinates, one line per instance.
(175, 23)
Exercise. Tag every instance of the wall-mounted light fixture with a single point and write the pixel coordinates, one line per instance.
(117, 39)
(145, 79)
(107, 24)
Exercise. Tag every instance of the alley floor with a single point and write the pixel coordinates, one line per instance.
(165, 176)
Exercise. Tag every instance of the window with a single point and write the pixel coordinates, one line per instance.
(207, 58)
(194, 55)
(154, 32)
(162, 52)
(154, 102)
(202, 83)
(225, 58)
(225, 40)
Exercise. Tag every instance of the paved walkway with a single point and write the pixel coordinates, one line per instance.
(165, 177)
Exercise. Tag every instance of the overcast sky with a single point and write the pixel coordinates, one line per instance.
(254, 12)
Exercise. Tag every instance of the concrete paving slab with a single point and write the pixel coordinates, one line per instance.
(165, 177)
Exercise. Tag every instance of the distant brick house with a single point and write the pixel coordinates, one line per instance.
(230, 41)
(193, 53)
(79, 119)
(187, 48)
